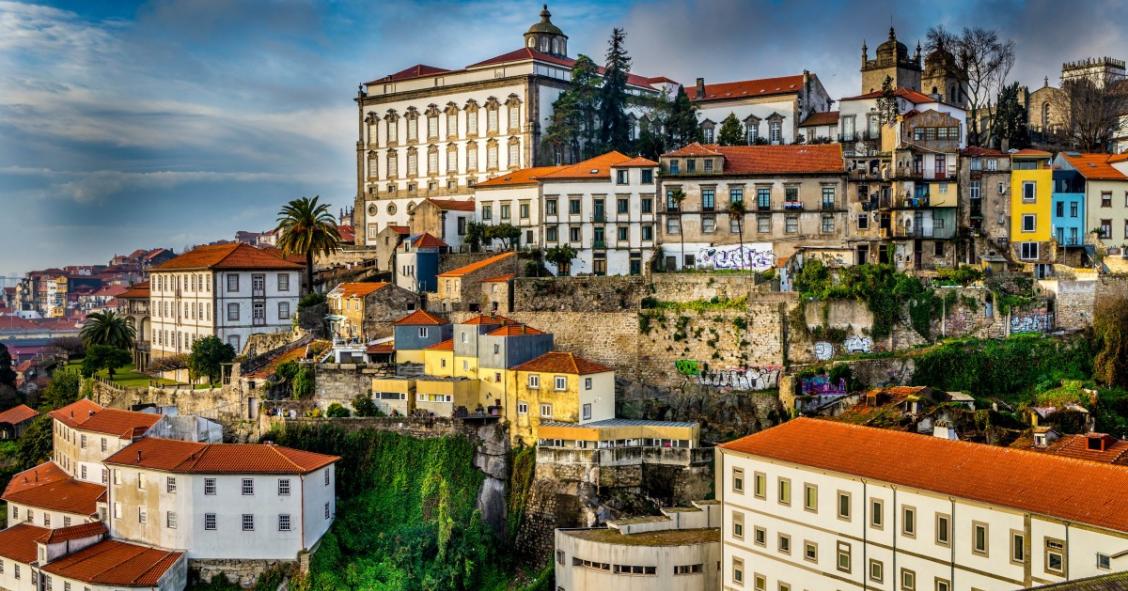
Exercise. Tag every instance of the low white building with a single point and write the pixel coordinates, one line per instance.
(85, 433)
(815, 504)
(229, 291)
(221, 501)
(46, 496)
(769, 110)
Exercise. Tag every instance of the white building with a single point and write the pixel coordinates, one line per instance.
(604, 207)
(769, 109)
(84, 434)
(229, 291)
(428, 132)
(859, 119)
(814, 504)
(46, 496)
(221, 501)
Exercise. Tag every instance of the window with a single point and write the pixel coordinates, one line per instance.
(586, 412)
(546, 411)
(908, 521)
(647, 205)
(943, 529)
(827, 225)
(760, 485)
(209, 486)
(423, 332)
(142, 516)
(791, 224)
(103, 444)
(248, 522)
(759, 582)
(1055, 557)
(843, 560)
(764, 223)
(574, 207)
(284, 487)
(843, 505)
(170, 520)
(943, 584)
(828, 197)
(550, 234)
(1106, 198)
(708, 224)
(1104, 562)
(232, 282)
(979, 538)
(284, 522)
(560, 383)
(170, 484)
(673, 225)
(504, 211)
(784, 544)
(487, 212)
(738, 525)
(622, 177)
(1029, 222)
(534, 381)
(587, 383)
(876, 570)
(1029, 191)
(775, 131)
(708, 164)
(325, 478)
(1017, 547)
(784, 491)
(759, 536)
(1106, 229)
(248, 486)
(877, 513)
(737, 570)
(233, 311)
(811, 497)
(708, 198)
(522, 408)
(1028, 251)
(810, 551)
(622, 233)
(209, 521)
(763, 197)
(283, 310)
(737, 480)
(908, 580)
(863, 221)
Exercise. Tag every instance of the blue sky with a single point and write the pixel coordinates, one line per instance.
(168, 123)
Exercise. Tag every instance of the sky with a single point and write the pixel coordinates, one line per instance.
(129, 125)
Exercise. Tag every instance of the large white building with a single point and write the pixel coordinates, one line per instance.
(229, 291)
(770, 110)
(221, 501)
(815, 504)
(604, 207)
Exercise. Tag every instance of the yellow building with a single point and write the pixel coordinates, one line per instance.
(557, 387)
(346, 309)
(1031, 205)
(438, 360)
(615, 433)
(394, 395)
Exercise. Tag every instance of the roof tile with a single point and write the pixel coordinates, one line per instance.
(561, 362)
(1094, 167)
(360, 290)
(421, 318)
(477, 265)
(523, 176)
(187, 457)
(747, 88)
(18, 414)
(18, 542)
(47, 486)
(514, 329)
(111, 562)
(228, 256)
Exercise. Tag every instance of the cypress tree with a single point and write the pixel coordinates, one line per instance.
(614, 132)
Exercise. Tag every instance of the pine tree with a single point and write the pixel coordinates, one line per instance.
(887, 104)
(732, 132)
(614, 131)
(1009, 122)
(572, 130)
(681, 124)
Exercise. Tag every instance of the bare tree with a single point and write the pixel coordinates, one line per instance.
(1093, 111)
(982, 62)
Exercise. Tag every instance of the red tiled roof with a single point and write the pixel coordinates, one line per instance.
(523, 176)
(694, 149)
(1077, 446)
(981, 151)
(821, 118)
(227, 256)
(426, 240)
(636, 162)
(74, 532)
(346, 233)
(477, 265)
(400, 229)
(18, 414)
(115, 563)
(447, 345)
(790, 159)
(47, 486)
(514, 329)
(124, 424)
(489, 320)
(598, 168)
(500, 278)
(913, 96)
(560, 362)
(523, 54)
(1094, 167)
(359, 290)
(1066, 488)
(454, 204)
(416, 71)
(137, 291)
(1118, 157)
(421, 318)
(1030, 153)
(18, 542)
(746, 88)
(388, 347)
(76, 412)
(187, 457)
(109, 291)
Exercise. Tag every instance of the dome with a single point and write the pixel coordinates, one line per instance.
(545, 25)
(893, 47)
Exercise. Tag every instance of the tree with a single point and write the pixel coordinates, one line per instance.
(571, 132)
(887, 104)
(1093, 110)
(336, 411)
(307, 228)
(678, 197)
(62, 390)
(614, 128)
(475, 235)
(7, 376)
(562, 257)
(364, 406)
(108, 328)
(105, 357)
(982, 61)
(1110, 332)
(681, 124)
(736, 211)
(208, 356)
(1009, 123)
(732, 132)
(508, 234)
(34, 446)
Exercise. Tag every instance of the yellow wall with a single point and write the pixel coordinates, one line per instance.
(1040, 207)
(565, 403)
(490, 388)
(471, 370)
(947, 199)
(462, 392)
(410, 356)
(587, 433)
(438, 363)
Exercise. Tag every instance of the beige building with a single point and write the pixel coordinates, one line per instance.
(984, 203)
(460, 289)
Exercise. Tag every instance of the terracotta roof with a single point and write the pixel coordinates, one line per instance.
(1077, 446)
(636, 162)
(345, 233)
(523, 176)
(694, 149)
(746, 88)
(74, 532)
(109, 291)
(115, 563)
(1094, 167)
(447, 345)
(1118, 157)
(293, 354)
(421, 318)
(47, 486)
(18, 414)
(514, 329)
(76, 412)
(598, 168)
(500, 278)
(913, 96)
(1109, 582)
(820, 118)
(981, 151)
(1086, 492)
(560, 362)
(454, 204)
(388, 347)
(426, 240)
(1030, 153)
(489, 320)
(477, 265)
(416, 71)
(400, 229)
(125, 424)
(137, 291)
(18, 542)
(228, 256)
(519, 55)
(188, 457)
(790, 159)
(359, 290)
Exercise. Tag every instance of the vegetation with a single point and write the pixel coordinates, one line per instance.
(365, 407)
(508, 234)
(106, 357)
(886, 292)
(336, 411)
(561, 256)
(62, 390)
(731, 132)
(475, 235)
(1110, 342)
(982, 61)
(208, 356)
(1009, 123)
(298, 378)
(9, 397)
(307, 228)
(614, 127)
(108, 329)
(712, 304)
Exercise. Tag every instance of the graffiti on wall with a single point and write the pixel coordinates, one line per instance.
(757, 257)
(1031, 323)
(824, 350)
(742, 378)
(855, 344)
(821, 385)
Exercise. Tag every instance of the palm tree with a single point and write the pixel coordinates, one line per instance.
(108, 328)
(678, 196)
(307, 228)
(736, 211)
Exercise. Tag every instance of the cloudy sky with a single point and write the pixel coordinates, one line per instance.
(173, 122)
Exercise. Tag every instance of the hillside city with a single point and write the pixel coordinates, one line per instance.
(648, 335)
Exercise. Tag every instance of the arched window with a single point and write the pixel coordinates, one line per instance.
(514, 108)
(452, 120)
(412, 162)
(432, 122)
(432, 161)
(471, 119)
(393, 127)
(491, 155)
(412, 118)
(491, 115)
(373, 165)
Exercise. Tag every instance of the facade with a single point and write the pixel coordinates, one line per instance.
(417, 331)
(1031, 207)
(792, 195)
(891, 60)
(47, 496)
(679, 550)
(229, 291)
(815, 504)
(1100, 182)
(460, 289)
(365, 311)
(84, 434)
(444, 219)
(984, 202)
(386, 242)
(770, 110)
(820, 127)
(416, 262)
(557, 387)
(620, 442)
(136, 299)
(497, 294)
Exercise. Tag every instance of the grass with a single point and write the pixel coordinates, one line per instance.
(125, 376)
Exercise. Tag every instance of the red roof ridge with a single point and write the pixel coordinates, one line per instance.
(72, 532)
(453, 204)
(420, 317)
(562, 362)
(744, 88)
(477, 265)
(18, 414)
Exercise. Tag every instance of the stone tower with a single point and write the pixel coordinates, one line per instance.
(546, 37)
(942, 78)
(891, 60)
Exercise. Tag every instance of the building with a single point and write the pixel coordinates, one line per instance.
(814, 504)
(416, 262)
(679, 550)
(444, 219)
(136, 298)
(984, 209)
(611, 443)
(14, 421)
(820, 127)
(1099, 183)
(460, 289)
(85, 433)
(386, 242)
(427, 131)
(891, 60)
(557, 387)
(792, 195)
(497, 293)
(1067, 212)
(221, 501)
(229, 291)
(515, 198)
(770, 110)
(1031, 207)
(417, 331)
(365, 311)
(48, 496)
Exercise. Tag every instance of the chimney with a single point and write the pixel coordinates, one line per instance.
(944, 430)
(700, 88)
(1097, 442)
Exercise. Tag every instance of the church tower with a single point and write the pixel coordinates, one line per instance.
(891, 60)
(546, 37)
(942, 78)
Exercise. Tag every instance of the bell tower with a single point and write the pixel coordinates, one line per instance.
(546, 37)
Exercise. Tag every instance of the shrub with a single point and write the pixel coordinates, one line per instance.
(335, 411)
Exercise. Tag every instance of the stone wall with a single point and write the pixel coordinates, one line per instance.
(578, 294)
(1111, 287)
(341, 382)
(1074, 302)
(244, 573)
(262, 342)
(688, 287)
(454, 260)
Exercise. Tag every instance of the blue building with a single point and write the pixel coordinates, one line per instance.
(417, 262)
(1067, 213)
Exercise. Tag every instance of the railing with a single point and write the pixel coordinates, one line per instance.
(793, 205)
(828, 206)
(599, 216)
(599, 244)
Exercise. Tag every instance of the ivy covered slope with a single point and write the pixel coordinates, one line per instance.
(406, 516)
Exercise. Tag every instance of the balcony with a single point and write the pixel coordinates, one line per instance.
(599, 217)
(599, 244)
(793, 205)
(828, 206)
